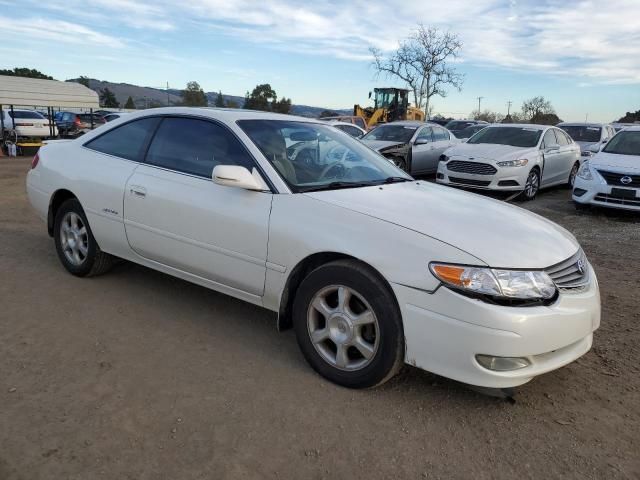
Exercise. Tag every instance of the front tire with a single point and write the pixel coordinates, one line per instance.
(76, 246)
(532, 185)
(348, 325)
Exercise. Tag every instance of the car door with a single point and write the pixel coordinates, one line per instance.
(177, 216)
(554, 159)
(569, 154)
(422, 150)
(441, 141)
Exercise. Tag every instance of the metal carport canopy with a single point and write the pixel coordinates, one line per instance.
(34, 92)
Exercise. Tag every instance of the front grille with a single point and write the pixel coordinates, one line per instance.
(616, 200)
(571, 274)
(470, 181)
(613, 178)
(471, 167)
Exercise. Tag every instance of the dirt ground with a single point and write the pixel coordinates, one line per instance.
(137, 375)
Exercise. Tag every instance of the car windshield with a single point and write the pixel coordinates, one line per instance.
(583, 133)
(513, 136)
(25, 114)
(470, 131)
(392, 133)
(624, 143)
(458, 125)
(310, 156)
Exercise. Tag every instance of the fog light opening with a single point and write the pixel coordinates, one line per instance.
(502, 364)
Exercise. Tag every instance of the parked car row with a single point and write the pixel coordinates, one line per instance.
(35, 124)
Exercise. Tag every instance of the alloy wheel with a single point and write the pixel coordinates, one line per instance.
(74, 238)
(573, 174)
(343, 328)
(532, 184)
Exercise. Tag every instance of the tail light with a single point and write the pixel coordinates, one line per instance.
(35, 160)
(77, 121)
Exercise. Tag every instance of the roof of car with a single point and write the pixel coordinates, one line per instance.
(521, 125)
(413, 123)
(580, 124)
(633, 128)
(229, 114)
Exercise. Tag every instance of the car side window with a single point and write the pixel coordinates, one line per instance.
(353, 131)
(560, 138)
(425, 135)
(195, 146)
(440, 134)
(549, 139)
(127, 141)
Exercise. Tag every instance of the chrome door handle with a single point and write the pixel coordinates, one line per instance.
(137, 191)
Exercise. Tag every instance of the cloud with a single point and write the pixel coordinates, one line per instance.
(581, 38)
(56, 30)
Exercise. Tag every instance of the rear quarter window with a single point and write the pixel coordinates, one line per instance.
(127, 141)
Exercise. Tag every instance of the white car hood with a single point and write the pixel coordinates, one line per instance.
(489, 151)
(497, 233)
(622, 163)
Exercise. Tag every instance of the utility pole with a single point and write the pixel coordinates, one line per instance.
(479, 100)
(586, 118)
(509, 103)
(168, 94)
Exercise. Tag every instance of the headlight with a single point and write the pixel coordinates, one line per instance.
(585, 172)
(586, 153)
(521, 162)
(501, 284)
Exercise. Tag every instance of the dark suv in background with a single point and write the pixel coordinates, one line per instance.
(72, 124)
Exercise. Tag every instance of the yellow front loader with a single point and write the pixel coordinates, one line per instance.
(390, 104)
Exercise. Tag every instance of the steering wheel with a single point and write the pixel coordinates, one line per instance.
(339, 165)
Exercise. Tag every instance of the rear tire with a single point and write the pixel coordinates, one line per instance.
(348, 325)
(573, 174)
(76, 246)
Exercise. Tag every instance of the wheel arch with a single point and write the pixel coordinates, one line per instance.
(302, 269)
(57, 199)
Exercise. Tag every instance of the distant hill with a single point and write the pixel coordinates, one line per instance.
(145, 97)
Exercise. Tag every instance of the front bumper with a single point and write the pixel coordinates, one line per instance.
(507, 179)
(444, 332)
(598, 192)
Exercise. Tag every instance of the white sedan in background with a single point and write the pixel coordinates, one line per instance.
(338, 244)
(612, 177)
(349, 128)
(512, 157)
(28, 124)
(589, 136)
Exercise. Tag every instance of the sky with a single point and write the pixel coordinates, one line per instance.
(582, 55)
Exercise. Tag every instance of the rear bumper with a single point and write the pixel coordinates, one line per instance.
(444, 332)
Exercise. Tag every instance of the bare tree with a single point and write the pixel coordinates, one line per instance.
(421, 62)
(535, 107)
(488, 116)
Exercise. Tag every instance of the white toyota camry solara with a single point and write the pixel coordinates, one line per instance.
(370, 267)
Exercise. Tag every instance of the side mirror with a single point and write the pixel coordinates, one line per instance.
(420, 141)
(236, 176)
(594, 148)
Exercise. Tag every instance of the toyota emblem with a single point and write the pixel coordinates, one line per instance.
(626, 180)
(581, 266)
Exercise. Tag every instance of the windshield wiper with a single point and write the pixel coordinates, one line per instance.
(336, 186)
(396, 180)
